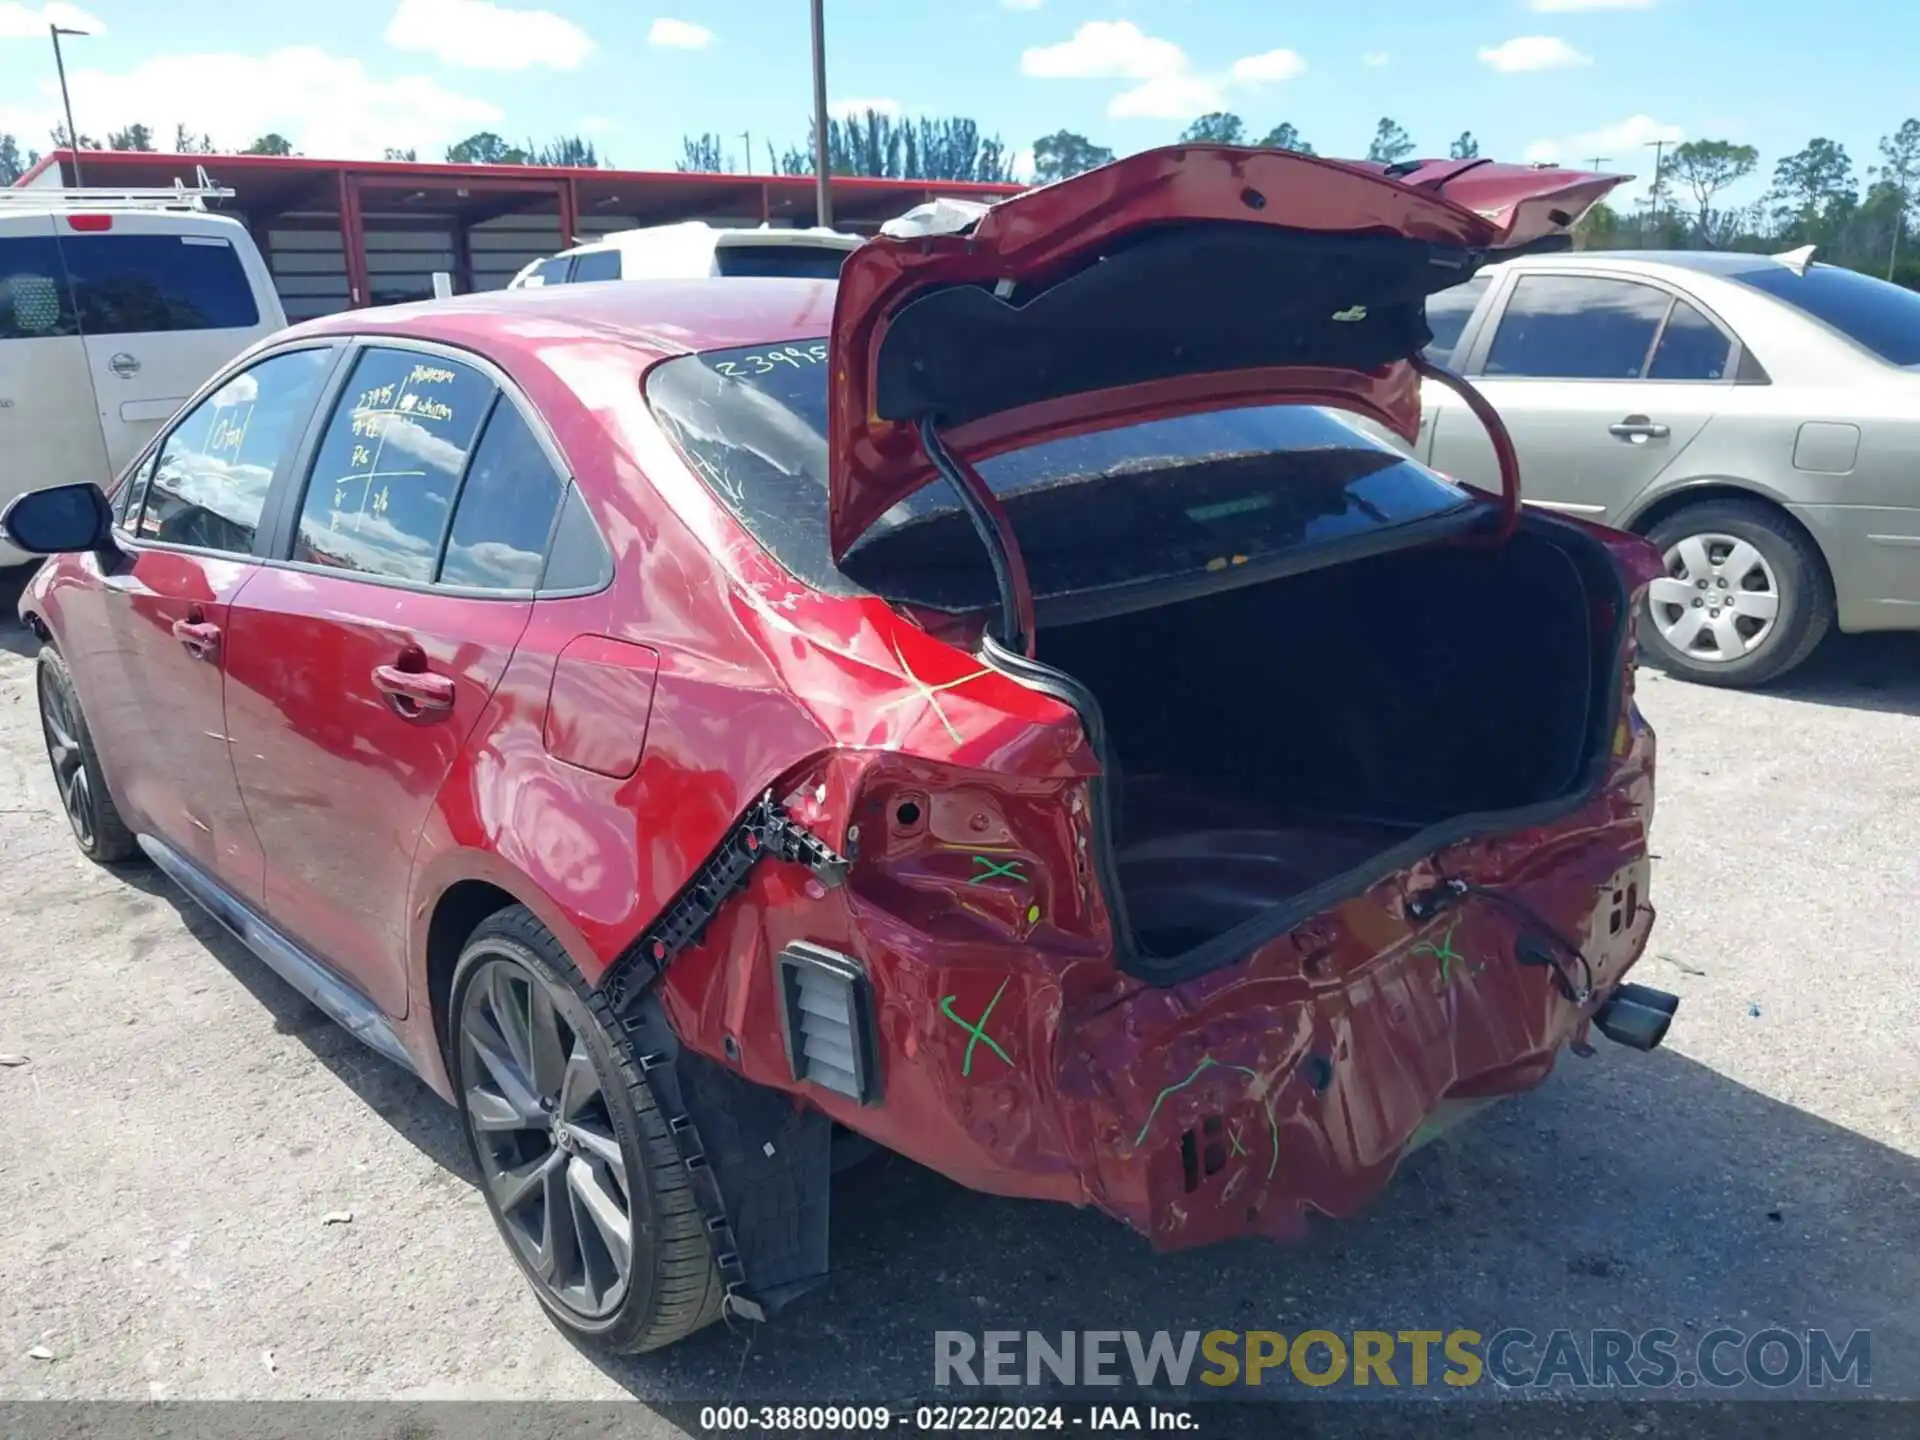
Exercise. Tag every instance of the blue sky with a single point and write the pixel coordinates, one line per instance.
(1533, 79)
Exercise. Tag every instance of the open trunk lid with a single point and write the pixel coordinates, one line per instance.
(1176, 280)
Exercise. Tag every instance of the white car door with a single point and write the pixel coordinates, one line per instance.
(164, 301)
(49, 427)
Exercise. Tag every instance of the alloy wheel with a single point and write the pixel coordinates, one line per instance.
(1719, 601)
(548, 1152)
(59, 721)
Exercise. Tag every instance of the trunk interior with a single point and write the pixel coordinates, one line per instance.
(1266, 739)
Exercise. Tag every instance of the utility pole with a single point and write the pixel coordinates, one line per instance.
(1600, 160)
(822, 181)
(1659, 148)
(746, 139)
(66, 101)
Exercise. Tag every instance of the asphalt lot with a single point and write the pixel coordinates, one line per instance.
(185, 1125)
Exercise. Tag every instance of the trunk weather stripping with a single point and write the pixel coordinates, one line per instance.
(1503, 451)
(989, 517)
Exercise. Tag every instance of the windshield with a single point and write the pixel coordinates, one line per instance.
(1163, 498)
(1881, 317)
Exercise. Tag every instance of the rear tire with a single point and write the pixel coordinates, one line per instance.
(562, 1126)
(1746, 598)
(103, 837)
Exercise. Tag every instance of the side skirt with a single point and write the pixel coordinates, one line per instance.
(336, 997)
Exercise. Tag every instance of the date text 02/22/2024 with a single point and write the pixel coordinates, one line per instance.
(941, 1419)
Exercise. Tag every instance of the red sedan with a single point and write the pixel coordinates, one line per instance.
(992, 705)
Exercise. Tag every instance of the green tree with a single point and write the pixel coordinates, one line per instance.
(1064, 153)
(1706, 167)
(1899, 167)
(1812, 190)
(1464, 148)
(1217, 127)
(1391, 144)
(61, 142)
(134, 137)
(270, 144)
(484, 148)
(13, 164)
(1285, 137)
(793, 161)
(185, 142)
(1598, 229)
(568, 150)
(702, 154)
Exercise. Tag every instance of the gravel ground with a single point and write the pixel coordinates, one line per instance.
(185, 1132)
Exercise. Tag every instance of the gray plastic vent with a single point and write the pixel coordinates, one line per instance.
(827, 1014)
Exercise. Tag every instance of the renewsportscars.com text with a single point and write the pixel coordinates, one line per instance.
(1719, 1359)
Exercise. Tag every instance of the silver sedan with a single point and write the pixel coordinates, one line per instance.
(1757, 417)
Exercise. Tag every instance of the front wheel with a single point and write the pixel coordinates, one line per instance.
(101, 834)
(576, 1162)
(1745, 598)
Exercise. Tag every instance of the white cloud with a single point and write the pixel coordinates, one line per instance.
(679, 34)
(1020, 4)
(479, 35)
(1374, 59)
(30, 22)
(1532, 52)
(1270, 68)
(328, 105)
(1105, 50)
(598, 125)
(1574, 7)
(844, 108)
(1621, 148)
(1168, 97)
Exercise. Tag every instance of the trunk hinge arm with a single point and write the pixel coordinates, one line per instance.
(626, 991)
(990, 522)
(1503, 451)
(764, 830)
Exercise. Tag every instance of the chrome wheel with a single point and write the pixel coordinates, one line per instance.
(1719, 601)
(60, 723)
(549, 1155)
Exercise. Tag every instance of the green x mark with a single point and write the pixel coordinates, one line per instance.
(1443, 952)
(977, 1029)
(1011, 870)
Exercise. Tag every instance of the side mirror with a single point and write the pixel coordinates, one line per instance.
(67, 519)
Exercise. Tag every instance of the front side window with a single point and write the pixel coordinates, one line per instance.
(506, 510)
(35, 303)
(1447, 316)
(126, 284)
(209, 482)
(550, 272)
(596, 265)
(1162, 499)
(1575, 327)
(382, 486)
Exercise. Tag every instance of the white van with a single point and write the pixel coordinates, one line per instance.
(692, 249)
(114, 307)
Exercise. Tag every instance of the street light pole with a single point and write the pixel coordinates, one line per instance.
(66, 101)
(823, 195)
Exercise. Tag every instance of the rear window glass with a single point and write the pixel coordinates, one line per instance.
(791, 262)
(1183, 496)
(34, 301)
(1881, 317)
(140, 284)
(591, 265)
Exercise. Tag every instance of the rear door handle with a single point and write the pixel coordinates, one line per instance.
(413, 692)
(1638, 428)
(201, 639)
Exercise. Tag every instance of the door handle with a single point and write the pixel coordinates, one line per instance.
(1637, 429)
(201, 639)
(413, 693)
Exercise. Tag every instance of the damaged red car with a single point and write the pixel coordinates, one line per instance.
(996, 706)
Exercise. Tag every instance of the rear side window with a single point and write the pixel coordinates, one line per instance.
(35, 303)
(789, 262)
(1182, 497)
(550, 272)
(1692, 347)
(141, 284)
(1573, 327)
(506, 509)
(1447, 316)
(382, 486)
(209, 482)
(596, 265)
(1873, 314)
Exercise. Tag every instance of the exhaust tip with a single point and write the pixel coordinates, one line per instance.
(1637, 1016)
